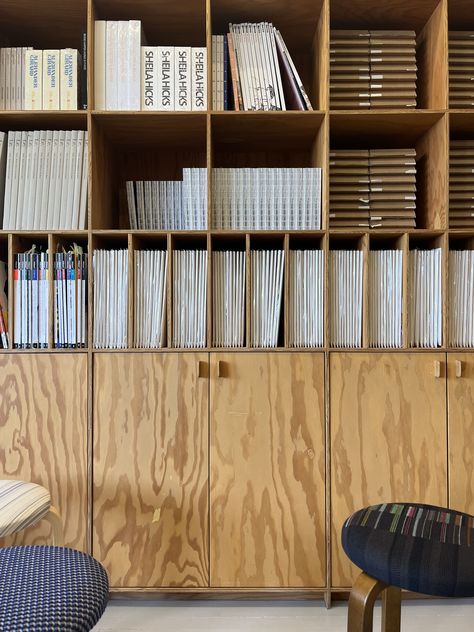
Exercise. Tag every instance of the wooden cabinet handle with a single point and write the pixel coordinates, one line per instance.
(437, 368)
(202, 369)
(458, 365)
(220, 368)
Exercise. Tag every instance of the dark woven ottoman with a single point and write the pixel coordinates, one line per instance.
(48, 588)
(421, 548)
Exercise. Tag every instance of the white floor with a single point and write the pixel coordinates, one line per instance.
(224, 616)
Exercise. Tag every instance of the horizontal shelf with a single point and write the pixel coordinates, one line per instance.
(327, 350)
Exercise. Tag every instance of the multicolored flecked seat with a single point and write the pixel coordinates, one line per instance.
(421, 548)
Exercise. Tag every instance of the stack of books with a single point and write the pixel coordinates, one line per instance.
(39, 79)
(46, 179)
(461, 184)
(228, 298)
(169, 204)
(189, 298)
(266, 274)
(372, 69)
(385, 298)
(461, 69)
(306, 298)
(4, 338)
(110, 268)
(345, 297)
(129, 76)
(267, 198)
(30, 300)
(461, 298)
(424, 279)
(252, 69)
(150, 298)
(70, 299)
(373, 188)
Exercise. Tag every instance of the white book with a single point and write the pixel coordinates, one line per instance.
(51, 80)
(77, 180)
(84, 184)
(111, 69)
(166, 78)
(21, 218)
(100, 65)
(57, 208)
(15, 179)
(33, 79)
(123, 68)
(149, 77)
(2, 78)
(39, 181)
(67, 211)
(68, 76)
(199, 78)
(13, 79)
(134, 64)
(8, 59)
(182, 78)
(3, 166)
(45, 199)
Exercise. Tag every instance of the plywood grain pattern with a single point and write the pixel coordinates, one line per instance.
(43, 434)
(388, 437)
(267, 470)
(461, 430)
(150, 496)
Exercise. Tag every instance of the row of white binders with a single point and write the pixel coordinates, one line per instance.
(169, 204)
(266, 198)
(44, 180)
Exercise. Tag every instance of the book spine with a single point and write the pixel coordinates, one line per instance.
(2, 79)
(225, 73)
(68, 73)
(51, 80)
(111, 69)
(84, 65)
(234, 73)
(199, 78)
(100, 30)
(8, 54)
(13, 69)
(134, 64)
(182, 74)
(149, 78)
(166, 78)
(123, 70)
(33, 76)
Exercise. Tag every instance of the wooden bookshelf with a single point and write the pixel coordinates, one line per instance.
(229, 471)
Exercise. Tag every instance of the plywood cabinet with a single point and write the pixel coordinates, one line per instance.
(388, 436)
(461, 430)
(267, 470)
(150, 495)
(43, 435)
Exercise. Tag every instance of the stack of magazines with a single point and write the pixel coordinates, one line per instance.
(266, 296)
(189, 298)
(30, 300)
(150, 298)
(461, 298)
(306, 298)
(228, 291)
(70, 299)
(461, 69)
(110, 298)
(385, 298)
(425, 322)
(345, 297)
(461, 184)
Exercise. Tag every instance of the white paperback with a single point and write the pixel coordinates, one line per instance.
(266, 280)
(199, 78)
(110, 270)
(182, 78)
(306, 298)
(150, 298)
(189, 298)
(51, 64)
(33, 79)
(228, 298)
(166, 78)
(68, 75)
(425, 287)
(100, 29)
(385, 298)
(149, 77)
(345, 296)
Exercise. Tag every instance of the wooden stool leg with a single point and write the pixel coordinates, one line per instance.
(360, 614)
(391, 609)
(54, 518)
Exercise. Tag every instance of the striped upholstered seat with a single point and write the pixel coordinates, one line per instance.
(21, 505)
(48, 588)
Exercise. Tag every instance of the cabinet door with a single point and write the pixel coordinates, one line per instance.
(461, 430)
(150, 501)
(43, 431)
(388, 436)
(267, 470)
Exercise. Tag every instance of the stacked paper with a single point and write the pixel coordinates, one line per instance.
(372, 188)
(189, 298)
(266, 294)
(385, 298)
(150, 298)
(345, 297)
(461, 298)
(266, 198)
(228, 286)
(110, 269)
(306, 298)
(461, 69)
(30, 300)
(373, 69)
(70, 299)
(461, 184)
(425, 298)
(169, 204)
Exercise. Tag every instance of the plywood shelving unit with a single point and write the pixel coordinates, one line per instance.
(164, 498)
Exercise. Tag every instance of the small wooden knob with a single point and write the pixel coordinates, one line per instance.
(437, 368)
(220, 368)
(202, 369)
(458, 365)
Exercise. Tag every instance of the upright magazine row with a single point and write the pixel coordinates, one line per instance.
(265, 298)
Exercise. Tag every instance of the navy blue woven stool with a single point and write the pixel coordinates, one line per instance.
(46, 588)
(422, 548)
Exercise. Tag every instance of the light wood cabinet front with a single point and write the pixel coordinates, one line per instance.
(43, 436)
(461, 431)
(388, 436)
(267, 470)
(150, 497)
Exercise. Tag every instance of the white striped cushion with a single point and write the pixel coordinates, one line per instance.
(21, 505)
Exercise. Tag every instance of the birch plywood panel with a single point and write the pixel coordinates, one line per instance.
(461, 430)
(267, 470)
(388, 437)
(150, 494)
(43, 430)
